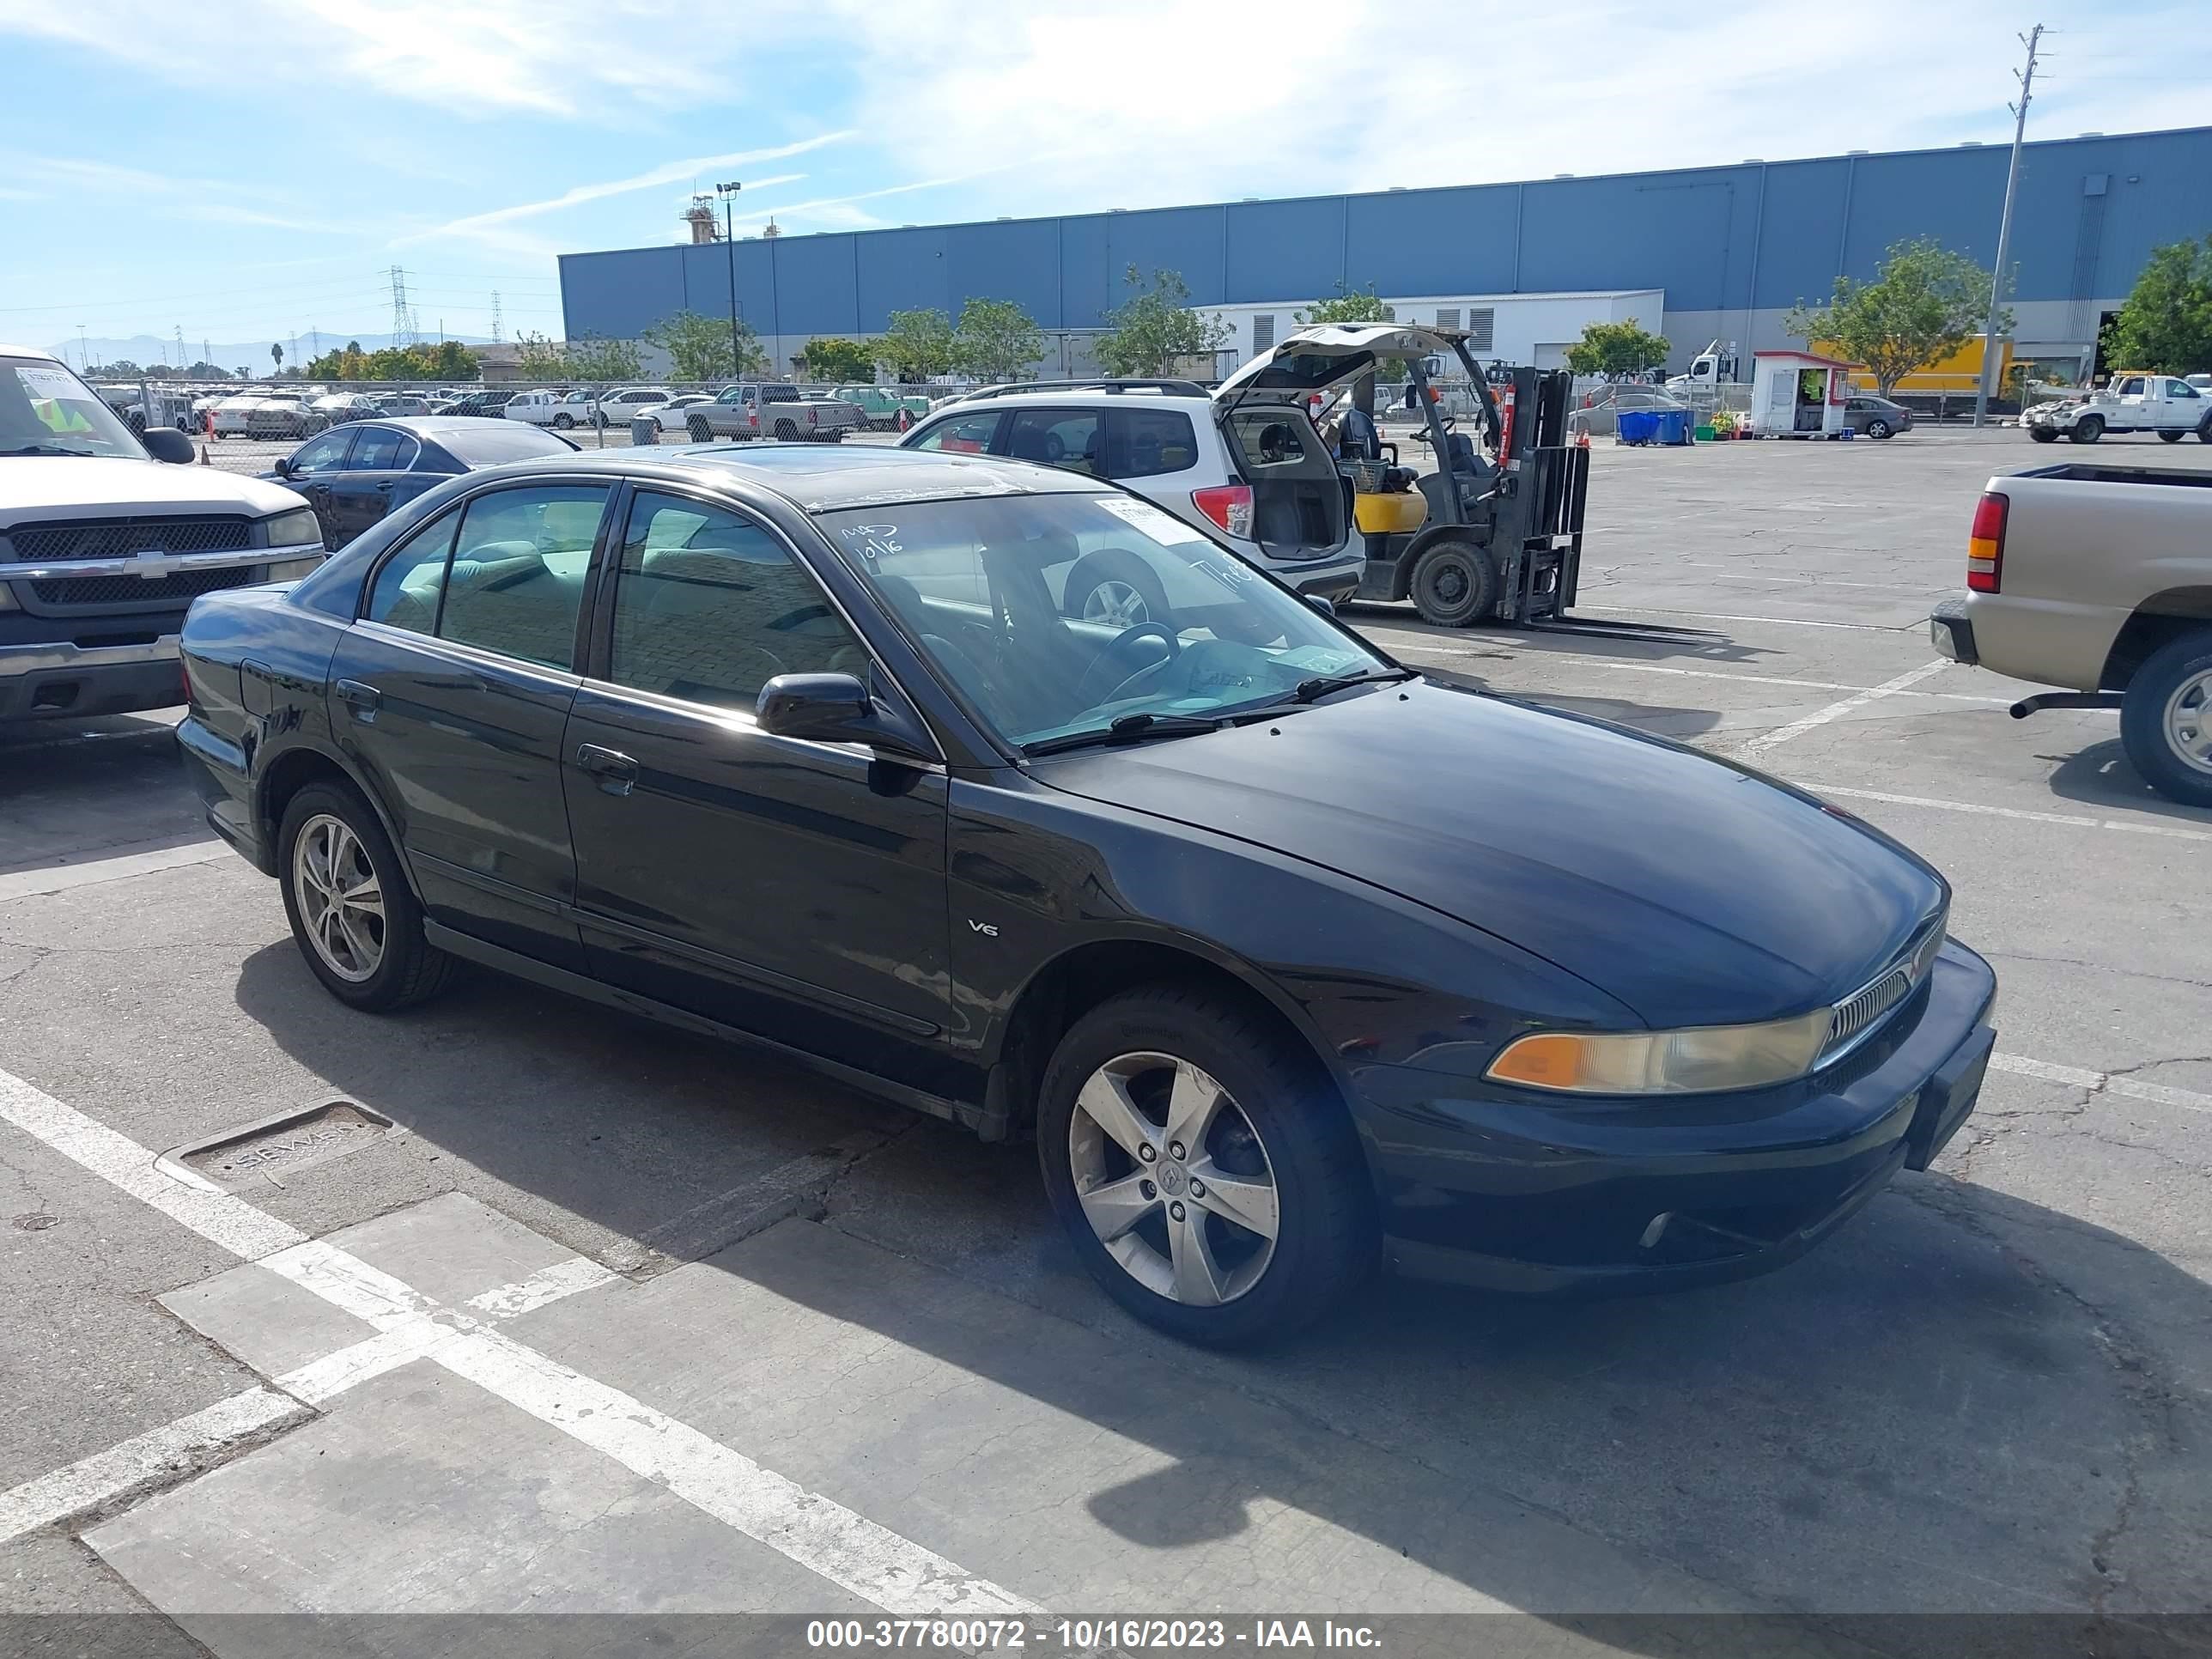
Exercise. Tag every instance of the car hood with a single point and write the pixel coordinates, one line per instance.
(1694, 891)
(79, 486)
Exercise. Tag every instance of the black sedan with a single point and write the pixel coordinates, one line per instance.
(1287, 957)
(354, 475)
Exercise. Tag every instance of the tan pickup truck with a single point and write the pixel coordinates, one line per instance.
(2099, 579)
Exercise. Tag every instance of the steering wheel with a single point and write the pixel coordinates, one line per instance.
(1086, 687)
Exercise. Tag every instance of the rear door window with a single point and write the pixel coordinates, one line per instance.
(1145, 443)
(1070, 438)
(383, 449)
(516, 582)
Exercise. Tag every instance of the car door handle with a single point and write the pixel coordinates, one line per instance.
(363, 699)
(384, 489)
(616, 771)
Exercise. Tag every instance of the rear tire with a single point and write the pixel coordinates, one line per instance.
(700, 432)
(2088, 429)
(371, 955)
(1877, 429)
(785, 432)
(564, 422)
(2204, 430)
(1453, 584)
(1270, 1134)
(2165, 718)
(2169, 437)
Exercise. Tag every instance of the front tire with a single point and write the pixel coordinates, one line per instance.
(353, 915)
(2043, 434)
(1207, 1173)
(1115, 589)
(2166, 720)
(2088, 429)
(2165, 436)
(1453, 584)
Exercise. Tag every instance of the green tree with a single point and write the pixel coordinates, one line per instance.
(1353, 305)
(916, 345)
(1616, 349)
(592, 358)
(121, 369)
(1926, 303)
(833, 359)
(1155, 326)
(2166, 323)
(995, 340)
(539, 358)
(698, 347)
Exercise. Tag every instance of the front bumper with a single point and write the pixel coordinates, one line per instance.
(62, 680)
(1951, 631)
(1500, 1189)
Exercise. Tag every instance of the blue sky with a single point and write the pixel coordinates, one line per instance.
(245, 170)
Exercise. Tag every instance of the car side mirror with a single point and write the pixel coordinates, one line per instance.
(838, 709)
(1322, 603)
(284, 467)
(166, 443)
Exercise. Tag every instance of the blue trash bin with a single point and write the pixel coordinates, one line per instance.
(1674, 425)
(1638, 426)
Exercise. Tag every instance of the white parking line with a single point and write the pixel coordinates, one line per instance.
(2102, 1082)
(819, 1534)
(2076, 820)
(1783, 734)
(27, 883)
(91, 1482)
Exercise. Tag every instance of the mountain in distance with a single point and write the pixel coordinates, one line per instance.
(146, 350)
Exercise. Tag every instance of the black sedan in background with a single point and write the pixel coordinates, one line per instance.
(1287, 958)
(354, 475)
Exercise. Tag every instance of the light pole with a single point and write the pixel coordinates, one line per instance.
(728, 193)
(2031, 40)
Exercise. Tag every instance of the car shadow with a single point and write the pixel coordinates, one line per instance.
(2102, 775)
(1576, 635)
(1921, 1414)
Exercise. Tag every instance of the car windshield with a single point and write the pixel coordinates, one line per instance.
(1057, 615)
(44, 409)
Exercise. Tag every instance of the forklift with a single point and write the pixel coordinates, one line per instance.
(1484, 537)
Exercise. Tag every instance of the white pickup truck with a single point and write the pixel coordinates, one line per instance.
(2099, 579)
(102, 549)
(769, 408)
(2136, 400)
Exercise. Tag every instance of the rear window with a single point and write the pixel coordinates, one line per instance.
(501, 440)
(778, 394)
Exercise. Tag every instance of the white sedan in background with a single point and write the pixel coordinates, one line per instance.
(669, 416)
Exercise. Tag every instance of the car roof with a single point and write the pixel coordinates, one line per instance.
(1073, 398)
(7, 350)
(820, 478)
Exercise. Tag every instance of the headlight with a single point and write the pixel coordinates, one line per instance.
(1702, 1059)
(291, 529)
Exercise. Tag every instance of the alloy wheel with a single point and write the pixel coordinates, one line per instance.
(1117, 604)
(1173, 1178)
(2189, 722)
(340, 897)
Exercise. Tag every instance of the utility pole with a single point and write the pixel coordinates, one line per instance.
(729, 193)
(2027, 78)
(84, 352)
(496, 336)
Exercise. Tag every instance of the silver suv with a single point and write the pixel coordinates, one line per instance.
(1257, 477)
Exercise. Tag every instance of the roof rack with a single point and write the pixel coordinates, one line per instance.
(1172, 388)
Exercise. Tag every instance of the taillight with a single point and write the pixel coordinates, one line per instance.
(1985, 550)
(1229, 505)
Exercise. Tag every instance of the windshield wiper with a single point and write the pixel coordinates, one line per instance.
(1322, 685)
(1129, 728)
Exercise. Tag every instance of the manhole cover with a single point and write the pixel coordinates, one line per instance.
(271, 1148)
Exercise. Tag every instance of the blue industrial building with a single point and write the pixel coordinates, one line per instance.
(1714, 252)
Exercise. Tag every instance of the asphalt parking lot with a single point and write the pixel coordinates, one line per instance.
(615, 1321)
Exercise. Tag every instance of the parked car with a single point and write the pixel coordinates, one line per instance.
(539, 407)
(1287, 957)
(670, 416)
(880, 406)
(98, 562)
(493, 401)
(2136, 401)
(353, 475)
(1876, 417)
(337, 408)
(1254, 471)
(1599, 415)
(281, 413)
(621, 406)
(402, 402)
(2099, 579)
(769, 408)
